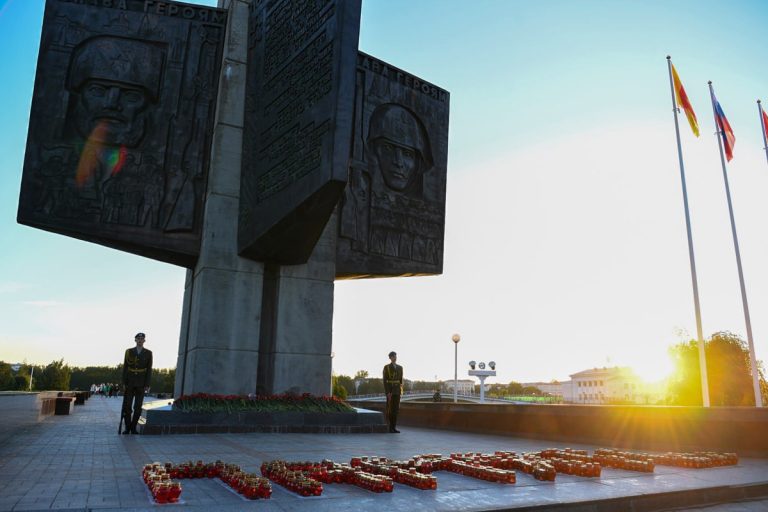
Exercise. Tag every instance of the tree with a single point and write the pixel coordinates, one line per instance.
(55, 376)
(82, 378)
(7, 382)
(728, 372)
(361, 374)
(345, 382)
(515, 389)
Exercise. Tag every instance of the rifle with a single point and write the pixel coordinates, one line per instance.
(120, 426)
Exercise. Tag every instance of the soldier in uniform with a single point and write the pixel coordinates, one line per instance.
(393, 387)
(137, 371)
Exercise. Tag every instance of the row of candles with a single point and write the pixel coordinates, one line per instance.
(159, 479)
(695, 460)
(163, 489)
(377, 474)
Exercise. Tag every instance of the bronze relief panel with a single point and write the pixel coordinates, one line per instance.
(120, 124)
(392, 215)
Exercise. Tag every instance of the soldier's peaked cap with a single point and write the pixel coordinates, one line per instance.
(117, 59)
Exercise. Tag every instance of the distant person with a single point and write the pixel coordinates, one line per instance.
(137, 371)
(393, 387)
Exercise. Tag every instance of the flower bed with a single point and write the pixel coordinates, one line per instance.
(205, 402)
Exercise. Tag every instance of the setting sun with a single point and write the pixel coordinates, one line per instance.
(652, 367)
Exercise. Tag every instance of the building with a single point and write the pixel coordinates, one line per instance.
(464, 386)
(614, 385)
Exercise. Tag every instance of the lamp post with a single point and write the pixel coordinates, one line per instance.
(456, 339)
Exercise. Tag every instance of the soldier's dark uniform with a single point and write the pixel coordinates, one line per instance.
(137, 372)
(393, 387)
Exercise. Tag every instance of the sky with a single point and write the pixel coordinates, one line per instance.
(565, 244)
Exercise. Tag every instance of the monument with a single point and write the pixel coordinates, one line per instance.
(252, 144)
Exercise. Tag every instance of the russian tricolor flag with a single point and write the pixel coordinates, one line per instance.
(729, 139)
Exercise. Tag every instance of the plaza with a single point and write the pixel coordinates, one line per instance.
(79, 462)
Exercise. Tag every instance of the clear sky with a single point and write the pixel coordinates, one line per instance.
(565, 237)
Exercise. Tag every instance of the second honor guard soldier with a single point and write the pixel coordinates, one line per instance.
(393, 387)
(137, 371)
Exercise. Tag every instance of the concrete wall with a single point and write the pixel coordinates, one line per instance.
(724, 429)
(20, 411)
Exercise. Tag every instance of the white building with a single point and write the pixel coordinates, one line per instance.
(608, 386)
(464, 386)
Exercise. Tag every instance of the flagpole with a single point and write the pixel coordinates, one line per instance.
(752, 358)
(696, 305)
(762, 125)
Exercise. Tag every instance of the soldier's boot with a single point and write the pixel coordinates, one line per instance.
(127, 423)
(134, 423)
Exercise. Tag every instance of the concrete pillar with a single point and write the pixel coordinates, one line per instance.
(219, 341)
(296, 330)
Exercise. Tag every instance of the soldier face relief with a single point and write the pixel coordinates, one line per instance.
(111, 113)
(114, 82)
(399, 164)
(399, 147)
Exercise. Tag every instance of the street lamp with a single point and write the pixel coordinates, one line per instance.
(482, 374)
(456, 339)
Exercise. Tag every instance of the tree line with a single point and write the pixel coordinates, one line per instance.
(59, 376)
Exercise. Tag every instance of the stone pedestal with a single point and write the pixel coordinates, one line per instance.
(297, 318)
(249, 327)
(219, 341)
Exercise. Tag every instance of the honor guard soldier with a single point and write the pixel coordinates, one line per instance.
(137, 371)
(393, 387)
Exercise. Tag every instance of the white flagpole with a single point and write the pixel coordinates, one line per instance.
(696, 305)
(762, 125)
(752, 359)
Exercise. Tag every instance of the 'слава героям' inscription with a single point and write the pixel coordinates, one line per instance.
(298, 115)
(119, 131)
(392, 216)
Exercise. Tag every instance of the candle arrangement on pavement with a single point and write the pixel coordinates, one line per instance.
(293, 480)
(696, 460)
(163, 489)
(378, 474)
(157, 475)
(624, 460)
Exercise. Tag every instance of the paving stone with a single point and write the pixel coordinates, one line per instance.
(78, 461)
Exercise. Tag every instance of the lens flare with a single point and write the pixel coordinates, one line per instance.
(94, 152)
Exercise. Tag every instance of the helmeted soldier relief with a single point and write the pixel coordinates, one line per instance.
(119, 133)
(399, 147)
(112, 98)
(392, 216)
(111, 94)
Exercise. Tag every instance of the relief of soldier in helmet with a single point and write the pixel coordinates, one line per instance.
(120, 126)
(114, 83)
(399, 146)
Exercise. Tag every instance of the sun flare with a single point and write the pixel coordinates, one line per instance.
(653, 368)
